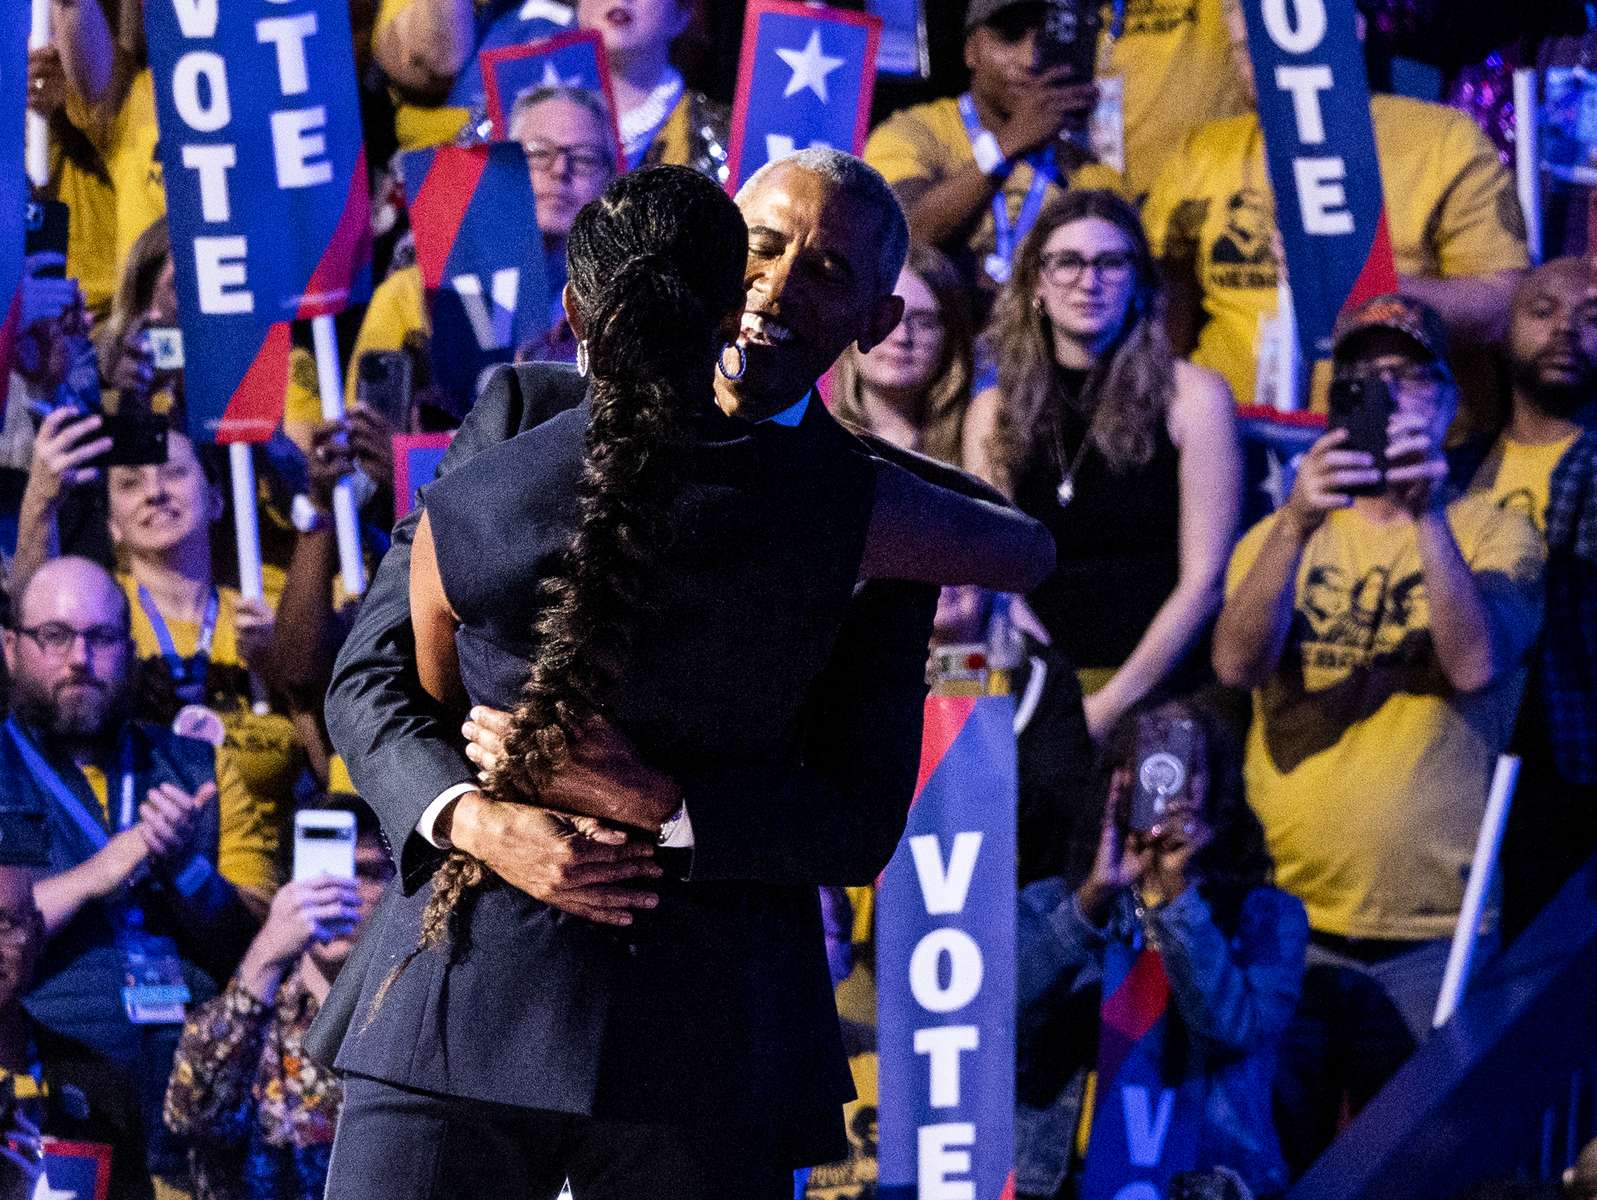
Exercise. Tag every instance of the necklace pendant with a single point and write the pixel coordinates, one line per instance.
(1066, 491)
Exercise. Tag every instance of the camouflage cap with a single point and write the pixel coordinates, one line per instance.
(1412, 318)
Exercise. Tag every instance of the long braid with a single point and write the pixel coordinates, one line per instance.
(655, 263)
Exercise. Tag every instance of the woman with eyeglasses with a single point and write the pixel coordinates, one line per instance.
(1126, 453)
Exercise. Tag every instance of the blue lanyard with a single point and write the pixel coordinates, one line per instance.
(1007, 235)
(69, 800)
(183, 670)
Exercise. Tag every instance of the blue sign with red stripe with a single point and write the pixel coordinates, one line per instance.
(945, 964)
(574, 60)
(503, 25)
(805, 79)
(481, 258)
(1314, 106)
(13, 178)
(267, 191)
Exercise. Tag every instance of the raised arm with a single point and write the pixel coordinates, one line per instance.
(925, 533)
(83, 37)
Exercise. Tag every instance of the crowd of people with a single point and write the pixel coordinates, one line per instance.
(1075, 323)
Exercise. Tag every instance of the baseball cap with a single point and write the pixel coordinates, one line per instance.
(1414, 319)
(981, 11)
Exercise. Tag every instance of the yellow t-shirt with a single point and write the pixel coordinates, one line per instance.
(1450, 205)
(264, 747)
(247, 845)
(127, 141)
(1368, 772)
(1170, 48)
(91, 229)
(919, 147)
(1517, 475)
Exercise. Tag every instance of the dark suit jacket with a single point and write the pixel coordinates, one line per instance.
(835, 817)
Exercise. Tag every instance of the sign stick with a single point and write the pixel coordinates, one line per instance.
(1481, 870)
(329, 378)
(38, 145)
(1528, 158)
(246, 521)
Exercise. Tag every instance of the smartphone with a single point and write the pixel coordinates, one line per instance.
(166, 347)
(48, 225)
(1069, 38)
(1167, 755)
(1363, 405)
(137, 440)
(385, 381)
(324, 843)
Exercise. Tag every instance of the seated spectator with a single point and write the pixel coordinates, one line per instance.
(1546, 449)
(1385, 633)
(1197, 887)
(1457, 232)
(150, 849)
(1128, 455)
(258, 1113)
(972, 172)
(662, 120)
(913, 389)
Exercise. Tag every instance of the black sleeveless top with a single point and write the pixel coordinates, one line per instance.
(1118, 537)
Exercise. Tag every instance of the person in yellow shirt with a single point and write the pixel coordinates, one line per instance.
(1385, 633)
(1167, 49)
(1457, 233)
(974, 172)
(1552, 357)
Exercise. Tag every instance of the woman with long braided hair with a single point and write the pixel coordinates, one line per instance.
(681, 574)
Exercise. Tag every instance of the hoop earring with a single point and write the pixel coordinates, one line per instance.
(582, 358)
(720, 362)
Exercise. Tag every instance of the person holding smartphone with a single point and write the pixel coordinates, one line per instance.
(1182, 886)
(1385, 628)
(259, 1114)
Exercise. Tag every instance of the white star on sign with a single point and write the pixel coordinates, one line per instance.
(43, 1191)
(551, 77)
(810, 67)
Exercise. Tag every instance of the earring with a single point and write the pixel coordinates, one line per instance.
(582, 357)
(743, 362)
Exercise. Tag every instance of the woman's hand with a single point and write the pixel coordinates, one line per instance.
(302, 912)
(65, 442)
(255, 623)
(47, 81)
(132, 370)
(1175, 842)
(1118, 865)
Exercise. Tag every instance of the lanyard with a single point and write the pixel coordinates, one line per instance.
(69, 800)
(181, 668)
(1007, 235)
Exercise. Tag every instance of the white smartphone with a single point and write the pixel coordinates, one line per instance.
(324, 843)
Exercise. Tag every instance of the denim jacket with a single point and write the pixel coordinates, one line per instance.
(1233, 997)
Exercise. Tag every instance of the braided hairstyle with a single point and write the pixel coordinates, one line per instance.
(656, 269)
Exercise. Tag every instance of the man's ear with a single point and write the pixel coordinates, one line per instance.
(884, 318)
(568, 302)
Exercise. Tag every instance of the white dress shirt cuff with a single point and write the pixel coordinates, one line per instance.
(430, 814)
(677, 833)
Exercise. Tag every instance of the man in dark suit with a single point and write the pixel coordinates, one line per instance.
(825, 247)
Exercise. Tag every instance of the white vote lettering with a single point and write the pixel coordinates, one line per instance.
(1145, 1128)
(212, 164)
(779, 146)
(288, 34)
(492, 329)
(964, 970)
(945, 889)
(211, 112)
(1299, 30)
(938, 1158)
(942, 1046)
(297, 139)
(1322, 199)
(196, 18)
(1305, 84)
(219, 266)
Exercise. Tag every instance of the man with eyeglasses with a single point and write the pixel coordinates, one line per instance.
(134, 896)
(1385, 628)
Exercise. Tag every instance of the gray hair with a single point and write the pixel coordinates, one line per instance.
(859, 179)
(580, 96)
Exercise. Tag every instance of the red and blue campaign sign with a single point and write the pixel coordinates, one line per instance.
(502, 24)
(13, 177)
(267, 191)
(805, 79)
(416, 460)
(570, 60)
(481, 258)
(75, 1171)
(945, 964)
(1314, 106)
